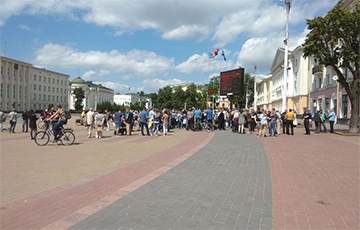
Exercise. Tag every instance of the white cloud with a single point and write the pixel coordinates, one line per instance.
(152, 85)
(137, 63)
(203, 64)
(176, 20)
(91, 75)
(24, 27)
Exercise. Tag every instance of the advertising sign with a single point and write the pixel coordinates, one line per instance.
(232, 82)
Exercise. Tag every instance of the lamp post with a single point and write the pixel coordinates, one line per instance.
(336, 78)
(255, 93)
(287, 6)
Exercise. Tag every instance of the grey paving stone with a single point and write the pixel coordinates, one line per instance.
(225, 185)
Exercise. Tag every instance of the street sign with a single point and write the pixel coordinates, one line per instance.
(212, 90)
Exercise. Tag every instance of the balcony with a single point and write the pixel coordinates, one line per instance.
(317, 69)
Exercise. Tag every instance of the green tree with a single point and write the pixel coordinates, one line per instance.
(153, 97)
(79, 95)
(334, 40)
(164, 97)
(178, 98)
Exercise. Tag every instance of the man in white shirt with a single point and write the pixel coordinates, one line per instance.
(13, 120)
(89, 122)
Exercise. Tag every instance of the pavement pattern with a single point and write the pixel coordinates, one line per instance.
(225, 185)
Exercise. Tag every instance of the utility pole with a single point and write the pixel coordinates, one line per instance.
(287, 6)
(255, 93)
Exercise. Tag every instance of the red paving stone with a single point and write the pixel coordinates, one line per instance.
(41, 211)
(315, 182)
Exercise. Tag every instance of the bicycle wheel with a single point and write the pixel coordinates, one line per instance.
(41, 125)
(78, 122)
(68, 138)
(42, 138)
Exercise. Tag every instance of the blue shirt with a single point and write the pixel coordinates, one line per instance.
(209, 114)
(117, 116)
(143, 116)
(332, 116)
(197, 114)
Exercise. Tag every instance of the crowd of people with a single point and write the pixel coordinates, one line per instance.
(156, 121)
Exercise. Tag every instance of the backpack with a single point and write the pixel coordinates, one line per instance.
(67, 115)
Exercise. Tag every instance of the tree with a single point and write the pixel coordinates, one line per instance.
(79, 95)
(178, 98)
(334, 40)
(164, 98)
(240, 100)
(153, 97)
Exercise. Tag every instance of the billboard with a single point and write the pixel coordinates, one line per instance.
(232, 82)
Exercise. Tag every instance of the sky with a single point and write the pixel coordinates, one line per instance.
(145, 45)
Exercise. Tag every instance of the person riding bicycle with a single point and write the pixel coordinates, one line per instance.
(60, 115)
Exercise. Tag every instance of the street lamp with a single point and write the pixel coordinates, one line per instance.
(286, 41)
(336, 78)
(255, 93)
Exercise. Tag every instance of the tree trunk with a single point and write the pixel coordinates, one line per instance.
(354, 119)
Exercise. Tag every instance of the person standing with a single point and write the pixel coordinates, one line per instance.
(32, 124)
(289, 118)
(117, 121)
(99, 121)
(89, 121)
(25, 123)
(12, 119)
(273, 119)
(248, 121)
(278, 124)
(317, 121)
(190, 118)
(129, 120)
(332, 116)
(2, 120)
(156, 123)
(165, 121)
(209, 116)
(221, 120)
(323, 120)
(307, 117)
(107, 119)
(284, 123)
(263, 124)
(241, 122)
(143, 122)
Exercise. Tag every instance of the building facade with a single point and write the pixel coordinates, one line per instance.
(24, 86)
(48, 87)
(94, 93)
(128, 99)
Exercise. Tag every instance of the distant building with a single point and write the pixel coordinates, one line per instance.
(26, 87)
(131, 98)
(94, 93)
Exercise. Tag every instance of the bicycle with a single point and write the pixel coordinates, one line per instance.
(41, 123)
(66, 136)
(80, 121)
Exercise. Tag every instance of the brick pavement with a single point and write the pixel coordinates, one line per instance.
(45, 208)
(225, 185)
(315, 181)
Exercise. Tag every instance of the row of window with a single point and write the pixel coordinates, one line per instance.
(53, 89)
(49, 80)
(43, 97)
(13, 91)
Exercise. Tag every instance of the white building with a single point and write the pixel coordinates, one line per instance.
(48, 87)
(15, 84)
(132, 98)
(94, 94)
(26, 87)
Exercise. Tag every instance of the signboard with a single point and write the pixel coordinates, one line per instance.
(212, 91)
(232, 82)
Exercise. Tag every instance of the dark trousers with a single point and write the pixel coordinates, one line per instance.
(317, 126)
(307, 128)
(324, 127)
(331, 126)
(190, 124)
(285, 127)
(289, 124)
(142, 124)
(56, 128)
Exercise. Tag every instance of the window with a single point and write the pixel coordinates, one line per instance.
(327, 105)
(57, 98)
(345, 105)
(45, 79)
(61, 99)
(53, 89)
(61, 82)
(49, 89)
(53, 98)
(48, 97)
(44, 88)
(60, 90)
(25, 92)
(20, 91)
(34, 77)
(34, 96)
(39, 78)
(13, 91)
(64, 99)
(57, 81)
(39, 87)
(65, 91)
(57, 90)
(44, 97)
(53, 81)
(1, 89)
(49, 80)
(320, 104)
(40, 97)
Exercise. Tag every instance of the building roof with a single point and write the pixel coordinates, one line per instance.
(78, 80)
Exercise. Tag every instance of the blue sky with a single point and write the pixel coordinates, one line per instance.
(145, 45)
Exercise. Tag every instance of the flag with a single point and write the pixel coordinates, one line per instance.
(223, 54)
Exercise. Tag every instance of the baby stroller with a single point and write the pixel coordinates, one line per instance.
(122, 130)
